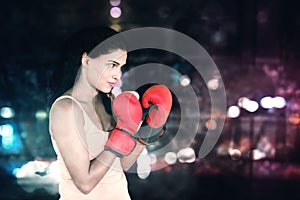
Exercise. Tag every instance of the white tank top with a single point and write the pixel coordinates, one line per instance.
(113, 186)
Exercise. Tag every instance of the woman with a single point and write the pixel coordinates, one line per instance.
(80, 121)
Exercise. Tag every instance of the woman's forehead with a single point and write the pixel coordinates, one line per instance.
(116, 55)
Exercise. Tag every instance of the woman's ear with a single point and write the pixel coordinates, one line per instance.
(85, 60)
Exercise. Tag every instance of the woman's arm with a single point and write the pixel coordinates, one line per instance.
(66, 124)
(128, 161)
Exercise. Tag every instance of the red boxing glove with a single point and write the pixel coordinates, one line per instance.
(158, 99)
(128, 112)
(161, 97)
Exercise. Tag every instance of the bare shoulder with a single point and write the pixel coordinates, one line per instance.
(64, 115)
(64, 107)
(62, 104)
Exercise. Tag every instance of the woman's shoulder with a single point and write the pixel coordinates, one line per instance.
(64, 114)
(65, 104)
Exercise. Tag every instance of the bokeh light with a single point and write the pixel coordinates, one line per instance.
(186, 155)
(279, 102)
(251, 106)
(267, 102)
(185, 80)
(233, 112)
(171, 158)
(213, 84)
(7, 112)
(41, 114)
(115, 12)
(115, 2)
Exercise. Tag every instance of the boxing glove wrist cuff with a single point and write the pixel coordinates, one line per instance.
(127, 133)
(120, 142)
(120, 155)
(147, 135)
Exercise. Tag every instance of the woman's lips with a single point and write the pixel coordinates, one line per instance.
(112, 84)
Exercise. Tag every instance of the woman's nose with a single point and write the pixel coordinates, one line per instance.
(117, 74)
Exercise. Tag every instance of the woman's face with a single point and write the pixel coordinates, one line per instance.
(105, 70)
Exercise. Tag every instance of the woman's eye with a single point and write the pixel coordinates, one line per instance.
(112, 65)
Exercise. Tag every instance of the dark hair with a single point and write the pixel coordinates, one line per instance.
(91, 40)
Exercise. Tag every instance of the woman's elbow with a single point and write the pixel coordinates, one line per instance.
(85, 188)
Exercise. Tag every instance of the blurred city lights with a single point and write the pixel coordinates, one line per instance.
(38, 174)
(256, 154)
(294, 118)
(7, 112)
(247, 104)
(235, 154)
(143, 171)
(31, 168)
(185, 80)
(116, 27)
(213, 84)
(115, 12)
(218, 37)
(115, 2)
(186, 155)
(144, 162)
(153, 158)
(272, 102)
(171, 158)
(6, 131)
(41, 115)
(266, 102)
(211, 124)
(279, 102)
(233, 112)
(242, 101)
(251, 106)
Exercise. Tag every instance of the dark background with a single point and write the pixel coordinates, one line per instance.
(254, 43)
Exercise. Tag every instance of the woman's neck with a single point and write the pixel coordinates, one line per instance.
(82, 90)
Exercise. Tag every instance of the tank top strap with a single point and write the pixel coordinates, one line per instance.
(69, 97)
(86, 117)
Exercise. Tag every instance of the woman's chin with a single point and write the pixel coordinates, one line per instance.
(106, 90)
